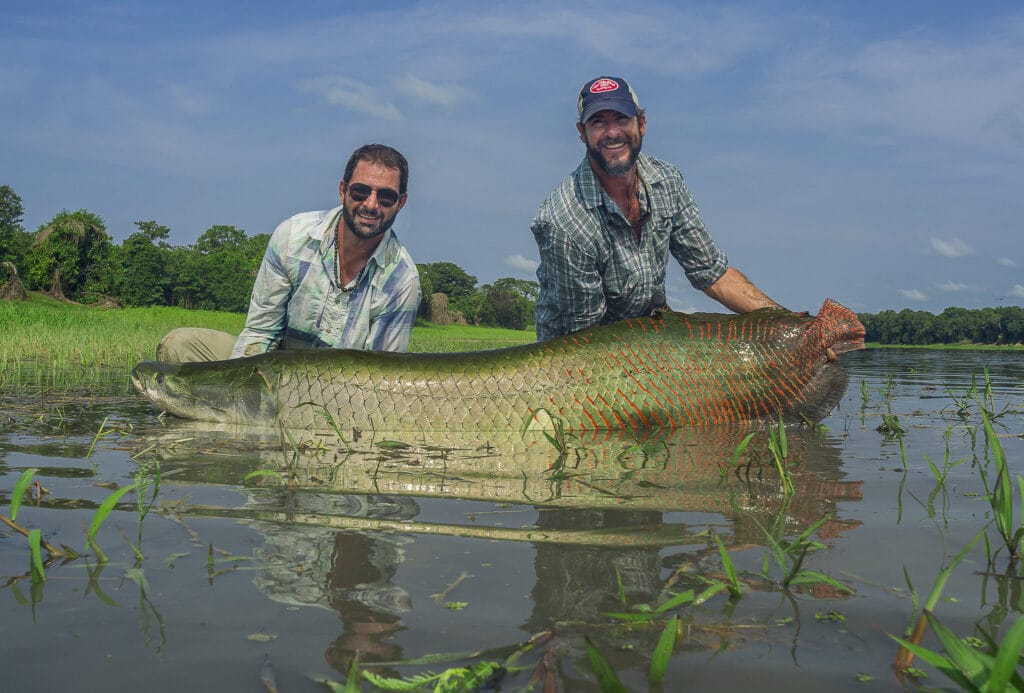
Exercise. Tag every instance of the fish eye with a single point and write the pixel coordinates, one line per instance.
(160, 378)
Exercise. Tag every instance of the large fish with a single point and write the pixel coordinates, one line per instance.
(667, 370)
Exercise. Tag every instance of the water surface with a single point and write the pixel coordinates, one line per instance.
(403, 547)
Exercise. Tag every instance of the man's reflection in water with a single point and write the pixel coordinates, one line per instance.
(579, 583)
(348, 572)
(360, 591)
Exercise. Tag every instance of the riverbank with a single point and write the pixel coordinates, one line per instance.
(963, 346)
(58, 335)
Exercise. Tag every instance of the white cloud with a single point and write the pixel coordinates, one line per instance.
(353, 95)
(523, 265)
(188, 100)
(1017, 291)
(953, 286)
(952, 247)
(913, 294)
(1006, 262)
(968, 92)
(447, 95)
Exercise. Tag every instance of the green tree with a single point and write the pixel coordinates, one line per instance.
(448, 278)
(1013, 324)
(154, 232)
(14, 242)
(953, 325)
(453, 281)
(508, 303)
(225, 268)
(185, 277)
(427, 290)
(69, 256)
(141, 279)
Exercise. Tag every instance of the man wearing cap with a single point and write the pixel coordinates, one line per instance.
(605, 233)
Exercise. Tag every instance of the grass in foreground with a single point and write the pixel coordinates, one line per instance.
(44, 331)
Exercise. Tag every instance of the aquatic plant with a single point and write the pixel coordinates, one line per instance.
(970, 667)
(100, 516)
(1000, 492)
(905, 655)
(789, 556)
(607, 679)
(779, 449)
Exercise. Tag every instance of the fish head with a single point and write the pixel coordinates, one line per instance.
(225, 391)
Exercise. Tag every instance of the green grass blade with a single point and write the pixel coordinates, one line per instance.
(813, 577)
(663, 650)
(104, 510)
(741, 447)
(963, 657)
(938, 661)
(1005, 666)
(19, 490)
(686, 597)
(622, 589)
(730, 569)
(713, 589)
(35, 540)
(352, 681)
(607, 679)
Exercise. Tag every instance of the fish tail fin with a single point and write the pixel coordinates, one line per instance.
(836, 327)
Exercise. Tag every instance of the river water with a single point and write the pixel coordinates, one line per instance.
(285, 557)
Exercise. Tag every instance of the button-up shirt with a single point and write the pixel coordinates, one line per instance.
(595, 270)
(297, 302)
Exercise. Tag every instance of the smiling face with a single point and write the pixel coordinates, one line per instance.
(613, 140)
(368, 218)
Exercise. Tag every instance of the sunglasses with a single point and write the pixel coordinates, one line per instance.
(386, 197)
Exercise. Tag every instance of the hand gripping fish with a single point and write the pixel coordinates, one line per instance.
(667, 370)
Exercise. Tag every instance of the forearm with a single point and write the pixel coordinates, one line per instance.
(737, 293)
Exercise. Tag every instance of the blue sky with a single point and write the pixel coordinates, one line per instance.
(865, 151)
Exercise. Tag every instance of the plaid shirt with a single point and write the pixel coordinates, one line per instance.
(593, 270)
(297, 303)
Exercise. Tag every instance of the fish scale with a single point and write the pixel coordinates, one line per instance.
(667, 370)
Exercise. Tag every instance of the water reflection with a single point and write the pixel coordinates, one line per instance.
(604, 512)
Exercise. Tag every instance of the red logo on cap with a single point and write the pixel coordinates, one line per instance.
(603, 85)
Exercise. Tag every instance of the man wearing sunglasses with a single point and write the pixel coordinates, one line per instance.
(333, 278)
(605, 233)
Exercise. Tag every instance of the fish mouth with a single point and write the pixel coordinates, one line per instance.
(157, 382)
(202, 391)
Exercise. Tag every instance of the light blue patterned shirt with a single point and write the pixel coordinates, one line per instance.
(297, 303)
(593, 270)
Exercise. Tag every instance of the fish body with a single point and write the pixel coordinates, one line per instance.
(667, 370)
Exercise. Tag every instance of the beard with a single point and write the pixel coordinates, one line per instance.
(616, 169)
(350, 221)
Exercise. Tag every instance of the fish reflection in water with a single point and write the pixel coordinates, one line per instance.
(606, 513)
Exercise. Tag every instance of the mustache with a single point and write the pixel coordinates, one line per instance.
(363, 212)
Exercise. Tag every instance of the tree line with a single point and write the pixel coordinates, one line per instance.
(1003, 325)
(72, 257)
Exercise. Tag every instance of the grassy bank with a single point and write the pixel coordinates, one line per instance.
(45, 332)
(961, 346)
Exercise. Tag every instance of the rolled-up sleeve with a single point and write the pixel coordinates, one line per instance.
(691, 245)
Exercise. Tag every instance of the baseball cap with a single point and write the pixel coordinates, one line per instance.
(607, 92)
